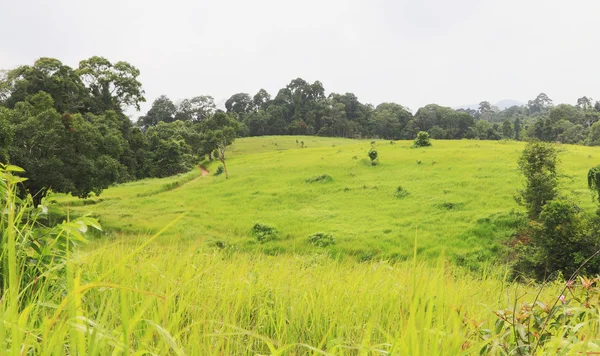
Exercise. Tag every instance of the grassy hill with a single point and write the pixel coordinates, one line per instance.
(460, 197)
(128, 295)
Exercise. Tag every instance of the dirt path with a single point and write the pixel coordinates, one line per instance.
(204, 171)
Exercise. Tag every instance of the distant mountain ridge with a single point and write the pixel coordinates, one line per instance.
(502, 104)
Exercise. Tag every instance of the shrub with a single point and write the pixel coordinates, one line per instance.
(422, 140)
(373, 156)
(219, 170)
(264, 233)
(527, 329)
(323, 178)
(401, 192)
(560, 242)
(321, 239)
(538, 165)
(34, 247)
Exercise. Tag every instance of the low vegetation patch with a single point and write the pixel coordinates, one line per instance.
(264, 233)
(401, 192)
(323, 178)
(219, 170)
(321, 239)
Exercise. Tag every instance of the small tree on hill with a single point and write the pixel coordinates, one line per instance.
(373, 156)
(422, 139)
(220, 132)
(538, 165)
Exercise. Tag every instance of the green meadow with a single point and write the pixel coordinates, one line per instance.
(177, 270)
(460, 198)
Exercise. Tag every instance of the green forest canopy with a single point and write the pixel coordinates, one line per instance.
(67, 127)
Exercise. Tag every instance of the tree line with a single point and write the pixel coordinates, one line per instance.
(68, 129)
(302, 108)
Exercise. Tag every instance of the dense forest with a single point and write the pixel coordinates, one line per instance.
(68, 129)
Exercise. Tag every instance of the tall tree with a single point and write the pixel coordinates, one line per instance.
(240, 104)
(65, 153)
(162, 110)
(518, 129)
(261, 100)
(196, 109)
(585, 103)
(49, 75)
(112, 86)
(539, 104)
(507, 130)
(390, 120)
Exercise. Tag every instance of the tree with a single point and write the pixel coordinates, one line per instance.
(566, 112)
(484, 106)
(162, 110)
(261, 99)
(49, 75)
(507, 130)
(111, 86)
(517, 129)
(66, 153)
(437, 132)
(538, 164)
(574, 134)
(6, 135)
(196, 109)
(422, 139)
(240, 104)
(389, 121)
(585, 103)
(220, 130)
(539, 104)
(593, 138)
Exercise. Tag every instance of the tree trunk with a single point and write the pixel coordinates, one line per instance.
(222, 158)
(225, 167)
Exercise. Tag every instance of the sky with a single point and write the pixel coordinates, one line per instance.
(449, 52)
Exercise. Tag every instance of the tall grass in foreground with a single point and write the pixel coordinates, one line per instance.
(124, 299)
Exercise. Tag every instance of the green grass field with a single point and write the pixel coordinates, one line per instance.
(155, 283)
(460, 197)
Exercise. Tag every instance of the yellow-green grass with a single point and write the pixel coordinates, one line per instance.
(168, 300)
(461, 196)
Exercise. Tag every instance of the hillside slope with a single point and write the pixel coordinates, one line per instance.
(460, 197)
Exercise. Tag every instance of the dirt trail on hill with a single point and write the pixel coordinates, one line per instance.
(204, 171)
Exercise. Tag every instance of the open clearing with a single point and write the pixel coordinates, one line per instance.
(459, 203)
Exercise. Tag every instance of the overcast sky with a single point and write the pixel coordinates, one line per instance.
(449, 52)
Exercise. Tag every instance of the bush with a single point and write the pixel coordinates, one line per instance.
(422, 140)
(219, 170)
(323, 178)
(401, 192)
(264, 233)
(321, 239)
(560, 242)
(373, 156)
